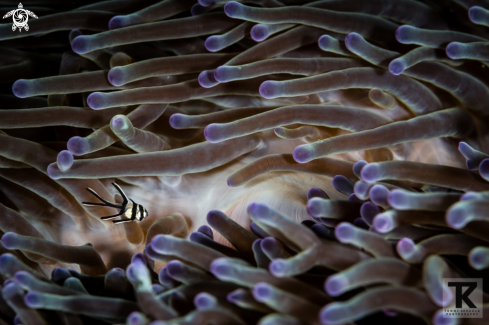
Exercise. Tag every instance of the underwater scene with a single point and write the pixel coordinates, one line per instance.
(263, 162)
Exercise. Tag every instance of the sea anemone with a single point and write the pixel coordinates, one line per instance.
(301, 162)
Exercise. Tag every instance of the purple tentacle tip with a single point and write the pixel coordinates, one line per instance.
(396, 67)
(368, 211)
(302, 154)
(361, 189)
(316, 192)
(268, 89)
(454, 50)
(403, 33)
(117, 22)
(20, 88)
(353, 197)
(335, 285)
(212, 133)
(477, 14)
(96, 100)
(456, 218)
(262, 291)
(333, 314)
(357, 167)
(259, 210)
(219, 268)
(469, 196)
(213, 43)
(214, 216)
(232, 9)
(406, 246)
(135, 318)
(345, 232)
(177, 121)
(164, 278)
(259, 32)
(140, 258)
(77, 146)
(206, 3)
(6, 258)
(65, 160)
(174, 268)
(10, 287)
(79, 45)
(397, 198)
(465, 149)
(158, 244)
(116, 76)
(322, 231)
(206, 230)
(484, 169)
(314, 207)
(383, 223)
(479, 258)
(33, 300)
(440, 319)
(21, 278)
(117, 272)
(59, 274)
(136, 271)
(74, 33)
(53, 171)
(204, 300)
(234, 296)
(278, 267)
(9, 240)
(257, 230)
(268, 244)
(324, 42)
(353, 39)
(360, 223)
(378, 194)
(118, 122)
(224, 73)
(390, 312)
(157, 288)
(198, 9)
(342, 184)
(370, 173)
(207, 80)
